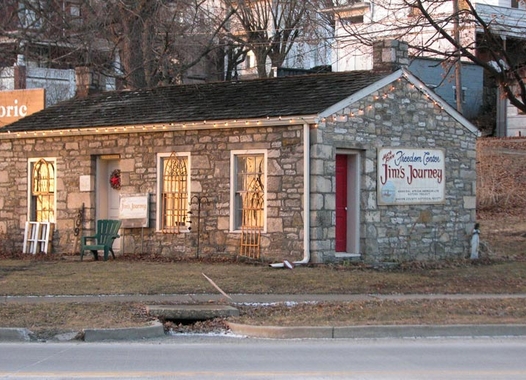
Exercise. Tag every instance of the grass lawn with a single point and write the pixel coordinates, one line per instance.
(73, 277)
(502, 273)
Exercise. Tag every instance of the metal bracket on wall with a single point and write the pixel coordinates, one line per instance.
(78, 223)
(199, 200)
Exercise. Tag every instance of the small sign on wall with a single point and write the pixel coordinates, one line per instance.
(85, 183)
(410, 176)
(134, 210)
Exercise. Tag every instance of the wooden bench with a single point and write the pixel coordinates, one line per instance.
(106, 233)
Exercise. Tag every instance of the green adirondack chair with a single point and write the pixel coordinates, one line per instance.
(106, 233)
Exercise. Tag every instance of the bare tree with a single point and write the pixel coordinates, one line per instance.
(488, 49)
(235, 54)
(270, 28)
(129, 27)
(493, 40)
(143, 43)
(160, 41)
(36, 29)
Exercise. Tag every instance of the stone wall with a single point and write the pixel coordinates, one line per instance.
(210, 175)
(395, 116)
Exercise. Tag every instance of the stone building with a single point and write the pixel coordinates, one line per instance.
(314, 168)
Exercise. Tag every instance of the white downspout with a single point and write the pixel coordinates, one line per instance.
(306, 200)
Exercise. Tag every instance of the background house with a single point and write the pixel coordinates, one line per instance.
(508, 18)
(43, 42)
(35, 55)
(49, 44)
(358, 23)
(442, 80)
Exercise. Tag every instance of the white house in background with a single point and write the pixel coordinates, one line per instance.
(37, 64)
(59, 84)
(508, 17)
(374, 20)
(312, 50)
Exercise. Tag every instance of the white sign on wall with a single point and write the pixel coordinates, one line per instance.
(134, 210)
(410, 176)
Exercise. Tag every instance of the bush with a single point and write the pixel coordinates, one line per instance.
(501, 164)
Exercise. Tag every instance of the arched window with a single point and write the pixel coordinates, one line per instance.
(248, 208)
(42, 205)
(249, 191)
(174, 193)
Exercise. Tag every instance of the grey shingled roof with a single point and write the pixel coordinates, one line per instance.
(273, 97)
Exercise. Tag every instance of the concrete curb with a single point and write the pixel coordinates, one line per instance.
(15, 335)
(380, 331)
(278, 332)
(155, 330)
(429, 331)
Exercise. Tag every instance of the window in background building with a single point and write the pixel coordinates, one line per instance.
(74, 12)
(463, 94)
(29, 14)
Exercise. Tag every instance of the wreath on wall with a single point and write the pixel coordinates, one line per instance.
(115, 179)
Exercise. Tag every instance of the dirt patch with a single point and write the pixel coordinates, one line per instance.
(386, 312)
(501, 164)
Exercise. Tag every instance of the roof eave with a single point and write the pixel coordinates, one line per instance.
(169, 126)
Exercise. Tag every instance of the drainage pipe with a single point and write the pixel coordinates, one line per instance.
(306, 200)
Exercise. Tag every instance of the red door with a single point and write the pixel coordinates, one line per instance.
(341, 203)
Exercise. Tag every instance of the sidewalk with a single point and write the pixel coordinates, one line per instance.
(275, 332)
(248, 298)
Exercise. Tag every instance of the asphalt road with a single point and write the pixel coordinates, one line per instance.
(241, 358)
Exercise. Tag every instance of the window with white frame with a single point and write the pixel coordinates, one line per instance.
(29, 14)
(73, 9)
(248, 195)
(250, 60)
(42, 197)
(462, 94)
(173, 192)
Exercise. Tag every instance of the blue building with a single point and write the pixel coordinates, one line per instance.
(442, 80)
